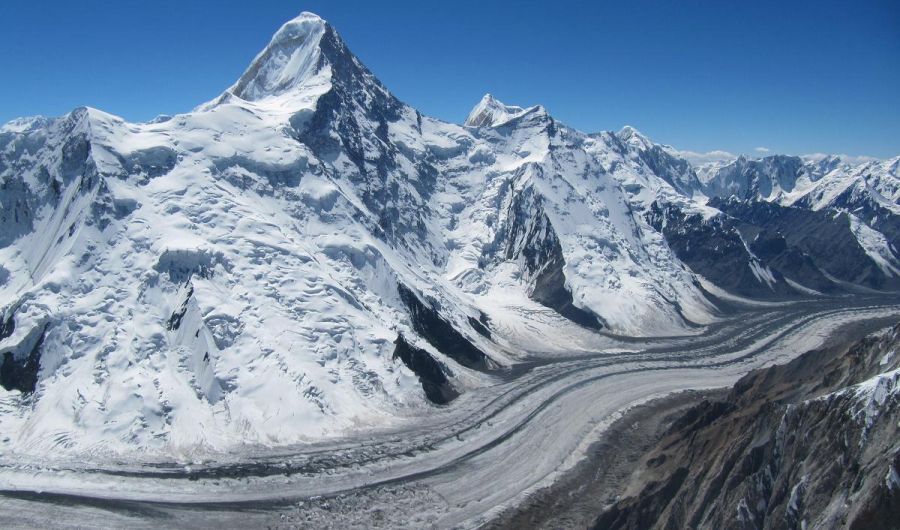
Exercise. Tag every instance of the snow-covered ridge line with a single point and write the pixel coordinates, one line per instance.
(489, 112)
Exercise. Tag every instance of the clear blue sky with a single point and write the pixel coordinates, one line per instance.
(795, 77)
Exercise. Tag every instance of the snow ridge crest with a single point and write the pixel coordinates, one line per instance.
(291, 59)
(491, 112)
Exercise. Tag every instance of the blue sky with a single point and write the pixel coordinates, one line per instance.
(793, 77)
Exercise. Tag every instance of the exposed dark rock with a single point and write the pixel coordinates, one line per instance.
(22, 374)
(7, 327)
(825, 236)
(480, 325)
(702, 415)
(334, 127)
(713, 248)
(787, 448)
(431, 372)
(16, 210)
(550, 290)
(428, 323)
(151, 163)
(811, 248)
(532, 238)
(861, 204)
(175, 320)
(75, 154)
(881, 511)
(183, 264)
(644, 513)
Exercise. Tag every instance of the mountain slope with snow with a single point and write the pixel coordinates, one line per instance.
(306, 255)
(870, 190)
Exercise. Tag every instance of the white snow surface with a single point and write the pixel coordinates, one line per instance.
(282, 267)
(876, 246)
(870, 398)
(489, 112)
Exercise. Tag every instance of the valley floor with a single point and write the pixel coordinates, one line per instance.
(580, 495)
(522, 452)
(590, 488)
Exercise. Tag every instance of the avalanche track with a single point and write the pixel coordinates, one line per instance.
(484, 453)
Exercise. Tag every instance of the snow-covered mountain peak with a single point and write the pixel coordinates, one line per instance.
(21, 125)
(491, 112)
(305, 60)
(664, 164)
(293, 57)
(298, 25)
(822, 158)
(893, 166)
(632, 136)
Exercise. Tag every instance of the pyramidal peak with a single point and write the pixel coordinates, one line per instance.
(298, 27)
(634, 137)
(293, 57)
(491, 112)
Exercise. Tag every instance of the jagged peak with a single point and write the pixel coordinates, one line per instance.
(95, 114)
(628, 131)
(826, 160)
(491, 112)
(291, 59)
(82, 116)
(298, 27)
(893, 165)
(24, 124)
(633, 137)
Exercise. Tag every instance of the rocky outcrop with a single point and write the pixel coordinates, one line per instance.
(765, 250)
(810, 444)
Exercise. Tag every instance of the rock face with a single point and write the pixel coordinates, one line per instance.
(306, 256)
(810, 444)
(766, 178)
(868, 190)
(765, 250)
